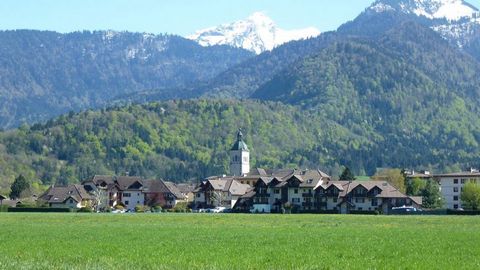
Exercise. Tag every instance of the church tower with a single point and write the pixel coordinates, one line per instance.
(239, 157)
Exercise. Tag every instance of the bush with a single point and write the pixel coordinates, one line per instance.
(157, 209)
(119, 207)
(140, 208)
(85, 210)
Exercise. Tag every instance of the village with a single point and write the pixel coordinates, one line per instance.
(247, 190)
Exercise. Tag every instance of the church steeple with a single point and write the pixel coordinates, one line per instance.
(239, 157)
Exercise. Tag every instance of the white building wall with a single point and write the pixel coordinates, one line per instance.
(295, 198)
(135, 198)
(452, 191)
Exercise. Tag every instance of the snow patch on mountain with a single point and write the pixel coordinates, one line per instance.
(257, 33)
(451, 10)
(454, 20)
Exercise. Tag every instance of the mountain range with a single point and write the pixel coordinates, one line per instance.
(397, 86)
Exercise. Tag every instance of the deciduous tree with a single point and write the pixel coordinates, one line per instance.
(471, 196)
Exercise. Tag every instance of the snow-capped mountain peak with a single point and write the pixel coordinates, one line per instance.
(257, 33)
(451, 10)
(455, 20)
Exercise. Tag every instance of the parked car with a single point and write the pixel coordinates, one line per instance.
(218, 209)
(118, 211)
(404, 209)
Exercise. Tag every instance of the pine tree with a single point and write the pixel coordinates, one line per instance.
(347, 175)
(432, 198)
(19, 185)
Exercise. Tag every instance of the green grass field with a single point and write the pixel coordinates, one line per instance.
(204, 241)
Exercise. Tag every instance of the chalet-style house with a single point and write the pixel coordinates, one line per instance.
(103, 192)
(269, 191)
(222, 191)
(131, 191)
(303, 191)
(71, 196)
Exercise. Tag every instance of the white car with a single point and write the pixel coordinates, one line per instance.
(218, 209)
(117, 211)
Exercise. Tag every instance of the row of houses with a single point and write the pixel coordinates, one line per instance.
(102, 192)
(300, 191)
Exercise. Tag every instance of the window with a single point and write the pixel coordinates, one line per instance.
(455, 206)
(455, 198)
(295, 191)
(295, 200)
(71, 201)
(127, 195)
(335, 200)
(360, 208)
(138, 202)
(359, 200)
(455, 181)
(455, 189)
(374, 202)
(127, 202)
(276, 191)
(462, 181)
(199, 195)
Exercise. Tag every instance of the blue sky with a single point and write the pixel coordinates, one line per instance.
(171, 16)
(181, 17)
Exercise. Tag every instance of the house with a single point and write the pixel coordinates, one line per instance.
(164, 194)
(105, 190)
(223, 191)
(187, 190)
(451, 186)
(130, 191)
(313, 191)
(71, 196)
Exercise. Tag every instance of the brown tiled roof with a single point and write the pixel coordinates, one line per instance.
(387, 190)
(186, 188)
(124, 182)
(417, 199)
(61, 194)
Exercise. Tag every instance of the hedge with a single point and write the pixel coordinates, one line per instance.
(39, 210)
(463, 213)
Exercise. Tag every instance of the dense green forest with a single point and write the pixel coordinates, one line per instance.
(44, 74)
(184, 140)
(189, 140)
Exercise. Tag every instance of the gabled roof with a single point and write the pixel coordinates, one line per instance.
(126, 182)
(2, 197)
(63, 193)
(159, 186)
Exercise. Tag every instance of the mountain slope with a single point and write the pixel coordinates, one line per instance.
(44, 74)
(258, 33)
(185, 140)
(409, 90)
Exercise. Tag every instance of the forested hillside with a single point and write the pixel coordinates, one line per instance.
(44, 74)
(189, 140)
(177, 141)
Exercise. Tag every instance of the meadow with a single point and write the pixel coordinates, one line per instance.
(229, 241)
